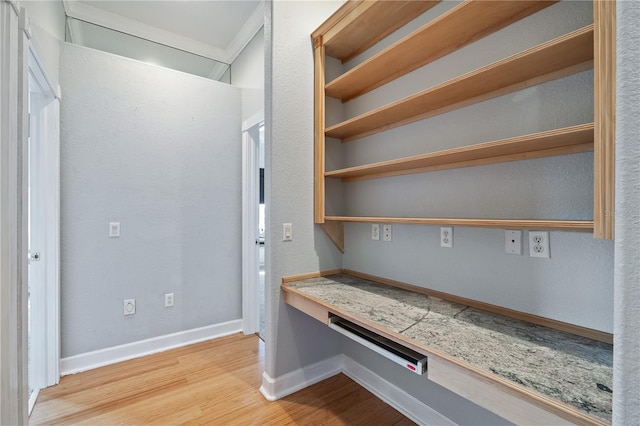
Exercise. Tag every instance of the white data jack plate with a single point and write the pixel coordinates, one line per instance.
(513, 242)
(129, 306)
(114, 229)
(539, 244)
(386, 232)
(287, 232)
(446, 237)
(375, 232)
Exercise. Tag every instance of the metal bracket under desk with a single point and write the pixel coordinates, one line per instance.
(397, 353)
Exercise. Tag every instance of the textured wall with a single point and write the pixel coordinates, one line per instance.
(626, 387)
(159, 151)
(293, 339)
(580, 268)
(47, 21)
(247, 72)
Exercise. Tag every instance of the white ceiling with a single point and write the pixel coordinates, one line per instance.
(216, 29)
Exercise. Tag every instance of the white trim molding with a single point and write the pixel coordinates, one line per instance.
(90, 360)
(279, 387)
(396, 397)
(94, 15)
(275, 388)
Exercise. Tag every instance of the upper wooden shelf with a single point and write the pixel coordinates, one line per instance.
(567, 140)
(449, 32)
(565, 55)
(528, 224)
(358, 25)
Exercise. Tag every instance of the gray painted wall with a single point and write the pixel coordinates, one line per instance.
(293, 338)
(159, 151)
(626, 387)
(576, 284)
(47, 21)
(247, 72)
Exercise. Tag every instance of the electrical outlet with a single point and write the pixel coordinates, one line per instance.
(513, 242)
(539, 244)
(375, 232)
(114, 229)
(169, 300)
(446, 237)
(129, 306)
(386, 232)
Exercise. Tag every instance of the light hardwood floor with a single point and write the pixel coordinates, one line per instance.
(210, 383)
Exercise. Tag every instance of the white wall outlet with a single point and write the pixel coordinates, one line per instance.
(513, 242)
(169, 300)
(386, 232)
(375, 232)
(539, 244)
(129, 306)
(287, 232)
(446, 237)
(114, 229)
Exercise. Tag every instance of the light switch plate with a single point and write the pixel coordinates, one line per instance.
(114, 229)
(287, 232)
(513, 242)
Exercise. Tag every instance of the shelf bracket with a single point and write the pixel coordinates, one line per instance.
(335, 232)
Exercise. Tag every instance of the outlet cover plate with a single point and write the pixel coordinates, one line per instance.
(446, 236)
(513, 242)
(169, 300)
(539, 244)
(386, 232)
(375, 232)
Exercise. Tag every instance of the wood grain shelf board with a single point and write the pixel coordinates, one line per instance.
(567, 140)
(445, 34)
(358, 25)
(528, 224)
(565, 55)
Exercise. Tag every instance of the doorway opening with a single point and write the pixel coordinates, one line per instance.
(43, 352)
(253, 227)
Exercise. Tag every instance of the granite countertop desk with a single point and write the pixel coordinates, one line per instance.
(570, 369)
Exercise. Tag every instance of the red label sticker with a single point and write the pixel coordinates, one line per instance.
(411, 367)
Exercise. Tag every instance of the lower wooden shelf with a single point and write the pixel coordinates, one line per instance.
(530, 224)
(514, 367)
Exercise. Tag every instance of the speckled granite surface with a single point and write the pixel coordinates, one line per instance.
(571, 369)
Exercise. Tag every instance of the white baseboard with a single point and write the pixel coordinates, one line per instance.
(284, 385)
(414, 409)
(87, 361)
(411, 407)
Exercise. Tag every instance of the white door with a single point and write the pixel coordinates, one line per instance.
(253, 277)
(43, 232)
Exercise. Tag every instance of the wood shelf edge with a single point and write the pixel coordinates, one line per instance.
(394, 62)
(411, 108)
(568, 140)
(525, 224)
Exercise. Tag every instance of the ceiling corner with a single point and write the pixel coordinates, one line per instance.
(246, 33)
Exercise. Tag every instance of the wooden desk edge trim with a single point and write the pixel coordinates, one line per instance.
(541, 401)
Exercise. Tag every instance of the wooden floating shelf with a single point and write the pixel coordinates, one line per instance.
(359, 25)
(557, 58)
(530, 224)
(434, 40)
(569, 140)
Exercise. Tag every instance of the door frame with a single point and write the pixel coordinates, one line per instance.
(45, 120)
(250, 199)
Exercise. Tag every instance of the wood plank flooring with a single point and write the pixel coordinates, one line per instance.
(210, 383)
